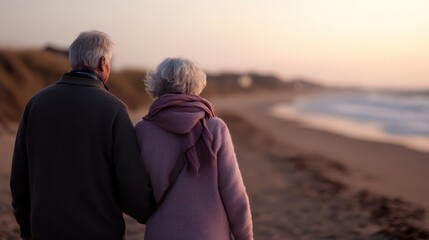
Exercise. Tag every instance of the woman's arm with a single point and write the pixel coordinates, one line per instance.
(232, 189)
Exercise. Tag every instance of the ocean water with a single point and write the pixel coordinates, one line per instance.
(396, 113)
(397, 117)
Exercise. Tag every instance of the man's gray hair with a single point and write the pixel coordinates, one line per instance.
(88, 48)
(175, 75)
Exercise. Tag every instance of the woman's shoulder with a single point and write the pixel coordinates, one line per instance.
(140, 123)
(217, 125)
(216, 122)
(144, 125)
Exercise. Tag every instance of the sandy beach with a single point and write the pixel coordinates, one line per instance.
(303, 183)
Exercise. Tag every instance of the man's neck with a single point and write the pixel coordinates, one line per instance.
(90, 73)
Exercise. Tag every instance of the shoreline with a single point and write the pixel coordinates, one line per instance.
(385, 168)
(347, 127)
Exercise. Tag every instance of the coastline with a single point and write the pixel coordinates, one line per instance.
(347, 127)
(386, 168)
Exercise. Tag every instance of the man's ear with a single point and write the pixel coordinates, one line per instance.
(101, 63)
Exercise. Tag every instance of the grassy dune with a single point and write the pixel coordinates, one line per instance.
(24, 72)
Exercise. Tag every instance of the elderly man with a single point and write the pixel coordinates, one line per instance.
(76, 165)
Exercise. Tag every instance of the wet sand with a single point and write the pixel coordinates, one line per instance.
(302, 183)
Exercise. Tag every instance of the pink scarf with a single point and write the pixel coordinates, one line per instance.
(185, 115)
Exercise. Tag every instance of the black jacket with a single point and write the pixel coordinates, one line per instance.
(76, 165)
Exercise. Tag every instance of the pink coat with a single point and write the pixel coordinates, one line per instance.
(212, 205)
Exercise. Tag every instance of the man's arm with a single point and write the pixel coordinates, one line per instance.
(19, 181)
(134, 186)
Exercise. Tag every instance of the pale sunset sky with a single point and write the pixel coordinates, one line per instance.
(365, 43)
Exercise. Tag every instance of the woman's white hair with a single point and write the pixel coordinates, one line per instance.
(88, 48)
(175, 75)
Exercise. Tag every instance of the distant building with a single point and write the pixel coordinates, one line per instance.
(245, 81)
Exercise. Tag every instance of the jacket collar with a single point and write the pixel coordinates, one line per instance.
(83, 77)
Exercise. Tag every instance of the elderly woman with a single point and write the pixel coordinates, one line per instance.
(208, 200)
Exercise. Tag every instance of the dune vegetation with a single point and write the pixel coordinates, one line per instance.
(24, 72)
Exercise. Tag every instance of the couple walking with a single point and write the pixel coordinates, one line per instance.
(79, 163)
